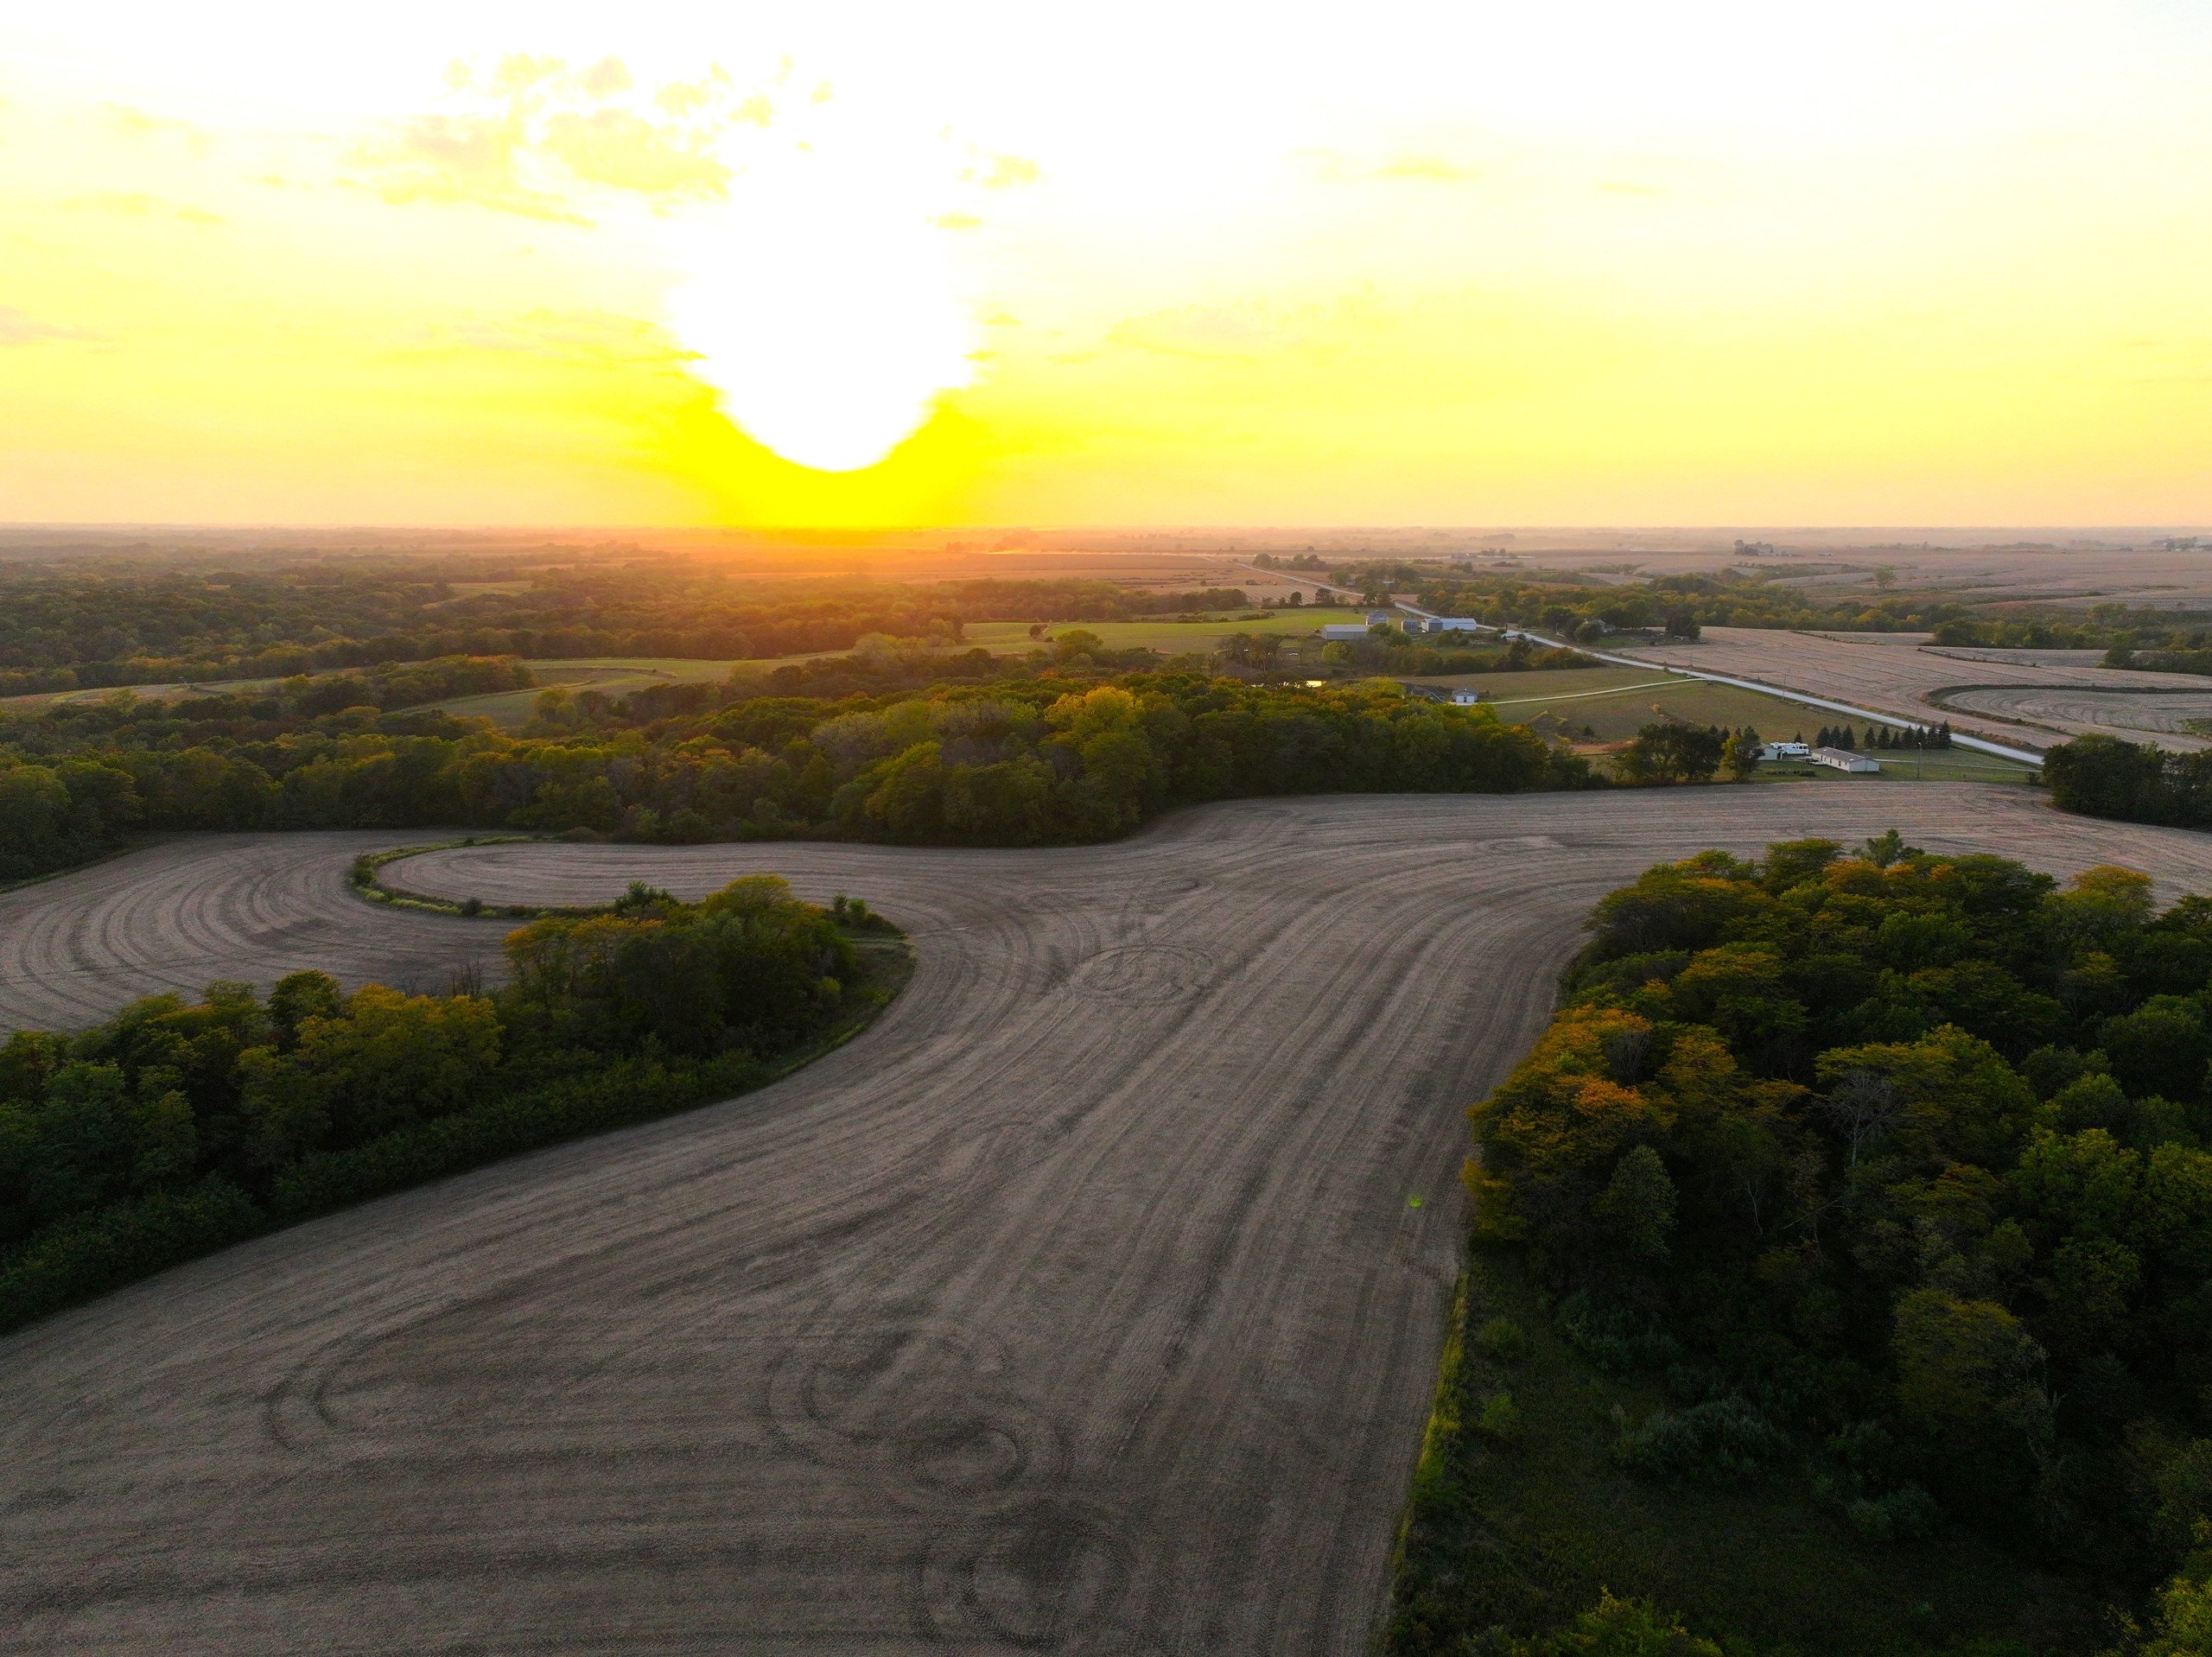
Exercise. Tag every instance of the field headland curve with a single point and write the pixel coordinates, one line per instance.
(1090, 1301)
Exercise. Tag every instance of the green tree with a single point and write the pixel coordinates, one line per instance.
(1968, 1374)
(1638, 1202)
(1621, 1627)
(1669, 753)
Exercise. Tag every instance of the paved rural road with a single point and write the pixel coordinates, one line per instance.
(1080, 1306)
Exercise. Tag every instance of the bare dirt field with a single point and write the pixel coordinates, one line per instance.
(202, 907)
(2173, 719)
(1894, 679)
(1087, 1303)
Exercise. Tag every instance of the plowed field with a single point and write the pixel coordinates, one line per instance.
(1087, 1303)
(1896, 678)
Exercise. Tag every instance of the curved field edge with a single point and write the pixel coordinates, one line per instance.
(1078, 1178)
(1519, 1528)
(366, 880)
(103, 1251)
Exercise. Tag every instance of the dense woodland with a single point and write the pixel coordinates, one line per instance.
(1044, 756)
(175, 1127)
(2105, 777)
(94, 624)
(1896, 1167)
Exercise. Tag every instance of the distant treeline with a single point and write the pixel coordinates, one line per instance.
(1578, 606)
(2188, 653)
(176, 1127)
(1012, 761)
(2105, 776)
(63, 628)
(1389, 650)
(1893, 1170)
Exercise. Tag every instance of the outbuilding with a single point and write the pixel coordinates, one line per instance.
(1843, 759)
(1785, 750)
(1344, 630)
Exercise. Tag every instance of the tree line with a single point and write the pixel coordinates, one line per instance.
(178, 1126)
(2105, 777)
(1881, 738)
(1894, 1166)
(86, 624)
(1050, 758)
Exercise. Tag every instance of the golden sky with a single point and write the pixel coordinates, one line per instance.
(1715, 261)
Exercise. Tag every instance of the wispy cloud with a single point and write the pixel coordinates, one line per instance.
(142, 123)
(626, 152)
(529, 130)
(20, 328)
(1427, 169)
(1210, 332)
(590, 337)
(138, 204)
(1007, 173)
(1406, 167)
(470, 159)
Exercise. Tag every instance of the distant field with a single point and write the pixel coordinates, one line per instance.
(1169, 638)
(609, 676)
(2137, 716)
(173, 691)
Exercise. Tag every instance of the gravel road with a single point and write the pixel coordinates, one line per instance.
(1083, 1304)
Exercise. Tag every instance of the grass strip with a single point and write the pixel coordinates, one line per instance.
(1521, 1514)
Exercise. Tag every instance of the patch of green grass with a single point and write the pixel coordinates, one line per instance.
(1520, 1531)
(1951, 766)
(1614, 703)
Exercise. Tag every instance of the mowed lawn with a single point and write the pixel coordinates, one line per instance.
(1612, 704)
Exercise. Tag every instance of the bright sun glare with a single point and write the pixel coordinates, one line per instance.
(823, 309)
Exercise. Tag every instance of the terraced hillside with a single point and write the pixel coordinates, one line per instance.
(1089, 1302)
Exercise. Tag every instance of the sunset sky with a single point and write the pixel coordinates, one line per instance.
(961, 263)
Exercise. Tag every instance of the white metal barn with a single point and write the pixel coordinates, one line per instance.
(1843, 759)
